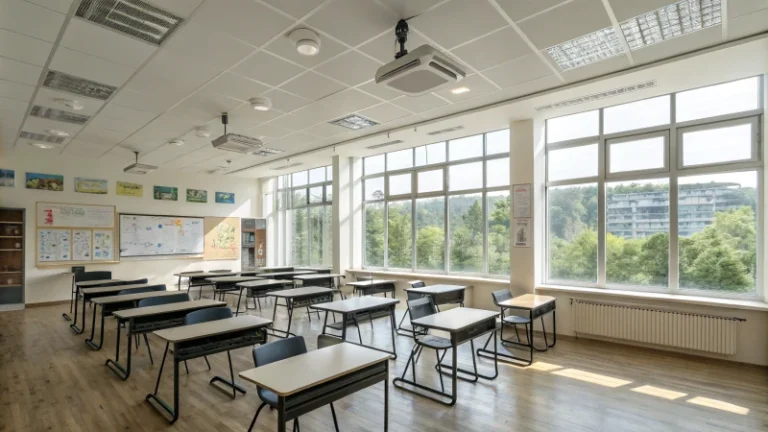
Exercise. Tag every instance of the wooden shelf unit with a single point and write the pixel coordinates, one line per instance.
(12, 232)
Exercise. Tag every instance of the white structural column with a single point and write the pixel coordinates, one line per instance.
(346, 213)
(521, 171)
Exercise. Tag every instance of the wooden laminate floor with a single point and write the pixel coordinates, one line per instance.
(50, 380)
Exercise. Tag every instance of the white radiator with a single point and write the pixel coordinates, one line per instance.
(674, 329)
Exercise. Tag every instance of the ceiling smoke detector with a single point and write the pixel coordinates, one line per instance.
(137, 168)
(420, 71)
(261, 103)
(306, 41)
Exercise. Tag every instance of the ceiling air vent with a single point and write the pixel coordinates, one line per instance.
(442, 131)
(388, 143)
(134, 18)
(80, 86)
(33, 136)
(266, 152)
(354, 122)
(285, 167)
(597, 96)
(59, 115)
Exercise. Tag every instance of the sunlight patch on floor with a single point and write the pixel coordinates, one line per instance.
(544, 367)
(717, 404)
(593, 378)
(659, 392)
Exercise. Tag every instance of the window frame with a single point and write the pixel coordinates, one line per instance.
(631, 138)
(673, 172)
(754, 121)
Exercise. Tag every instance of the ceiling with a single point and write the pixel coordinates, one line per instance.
(219, 57)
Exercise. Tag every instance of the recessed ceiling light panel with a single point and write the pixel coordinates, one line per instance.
(59, 115)
(43, 146)
(80, 86)
(134, 18)
(671, 21)
(586, 49)
(354, 122)
(460, 90)
(33, 136)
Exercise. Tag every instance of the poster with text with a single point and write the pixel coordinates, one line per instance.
(103, 245)
(521, 200)
(91, 186)
(54, 245)
(49, 182)
(522, 232)
(222, 238)
(81, 245)
(197, 196)
(130, 189)
(166, 193)
(225, 198)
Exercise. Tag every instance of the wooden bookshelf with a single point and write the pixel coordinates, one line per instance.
(12, 232)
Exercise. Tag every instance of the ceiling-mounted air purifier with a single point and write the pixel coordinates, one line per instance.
(420, 71)
(137, 168)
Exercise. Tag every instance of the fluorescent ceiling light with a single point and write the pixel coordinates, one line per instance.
(354, 122)
(586, 49)
(460, 90)
(671, 21)
(40, 145)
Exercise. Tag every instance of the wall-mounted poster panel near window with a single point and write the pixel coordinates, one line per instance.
(222, 238)
(150, 235)
(70, 234)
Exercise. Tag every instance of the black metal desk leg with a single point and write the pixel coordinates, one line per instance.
(344, 326)
(280, 411)
(174, 412)
(231, 384)
(392, 320)
(89, 342)
(114, 365)
(386, 400)
(73, 299)
(237, 311)
(455, 377)
(74, 326)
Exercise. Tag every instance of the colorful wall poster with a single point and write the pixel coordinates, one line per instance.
(91, 186)
(225, 198)
(50, 182)
(522, 233)
(222, 238)
(166, 193)
(7, 178)
(54, 245)
(103, 245)
(130, 189)
(197, 195)
(81, 245)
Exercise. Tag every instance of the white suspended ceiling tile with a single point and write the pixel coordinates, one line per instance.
(537, 85)
(213, 48)
(289, 143)
(679, 45)
(106, 44)
(142, 101)
(409, 8)
(284, 47)
(30, 19)
(13, 105)
(284, 101)
(61, 6)
(19, 72)
(476, 84)
(354, 21)
(89, 67)
(236, 86)
(458, 21)
(182, 8)
(419, 103)
(85, 150)
(24, 48)
(349, 101)
(626, 9)
(320, 111)
(295, 8)
(122, 155)
(312, 85)
(244, 118)
(380, 91)
(41, 125)
(16, 91)
(288, 122)
(518, 10)
(737, 8)
(518, 71)
(267, 132)
(267, 68)
(102, 136)
(164, 154)
(748, 24)
(203, 107)
(325, 130)
(55, 99)
(126, 113)
(351, 68)
(602, 67)
(384, 47)
(384, 113)
(246, 20)
(566, 22)
(493, 49)
(184, 71)
(119, 125)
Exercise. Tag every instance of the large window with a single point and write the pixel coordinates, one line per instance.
(304, 218)
(659, 194)
(441, 207)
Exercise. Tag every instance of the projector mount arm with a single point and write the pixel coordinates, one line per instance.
(401, 33)
(225, 121)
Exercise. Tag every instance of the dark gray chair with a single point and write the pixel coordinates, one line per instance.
(156, 301)
(273, 352)
(421, 308)
(206, 315)
(181, 275)
(510, 320)
(220, 271)
(152, 288)
(411, 297)
(134, 282)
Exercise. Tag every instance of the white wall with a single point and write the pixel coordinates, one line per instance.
(47, 284)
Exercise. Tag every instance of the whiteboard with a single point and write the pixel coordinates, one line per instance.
(148, 235)
(58, 215)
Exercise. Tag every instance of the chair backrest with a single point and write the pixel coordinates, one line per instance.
(151, 288)
(135, 281)
(210, 314)
(325, 340)
(189, 272)
(363, 278)
(92, 275)
(421, 307)
(155, 301)
(220, 271)
(500, 296)
(417, 284)
(275, 351)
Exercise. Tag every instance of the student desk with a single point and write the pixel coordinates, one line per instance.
(352, 307)
(198, 279)
(536, 306)
(463, 324)
(79, 286)
(273, 269)
(309, 381)
(150, 318)
(440, 295)
(375, 286)
(222, 284)
(329, 280)
(111, 303)
(298, 297)
(197, 340)
(258, 288)
(318, 270)
(287, 275)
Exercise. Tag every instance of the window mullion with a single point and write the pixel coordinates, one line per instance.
(673, 272)
(602, 212)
